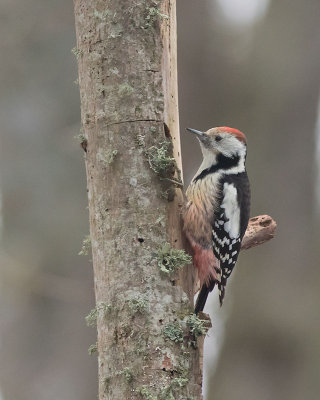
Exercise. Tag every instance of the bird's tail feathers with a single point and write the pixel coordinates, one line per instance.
(203, 295)
(222, 290)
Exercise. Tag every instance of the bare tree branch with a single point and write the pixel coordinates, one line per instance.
(260, 230)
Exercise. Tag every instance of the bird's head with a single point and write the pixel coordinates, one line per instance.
(221, 140)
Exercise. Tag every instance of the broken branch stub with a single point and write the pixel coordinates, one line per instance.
(260, 230)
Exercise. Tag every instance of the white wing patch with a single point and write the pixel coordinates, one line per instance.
(232, 210)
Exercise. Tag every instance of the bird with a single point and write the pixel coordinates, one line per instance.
(217, 208)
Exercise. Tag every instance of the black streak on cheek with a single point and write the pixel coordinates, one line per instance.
(223, 162)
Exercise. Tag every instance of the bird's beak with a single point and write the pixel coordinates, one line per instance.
(198, 133)
(202, 136)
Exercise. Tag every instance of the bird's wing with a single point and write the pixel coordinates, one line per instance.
(229, 225)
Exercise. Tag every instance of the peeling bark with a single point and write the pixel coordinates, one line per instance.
(127, 76)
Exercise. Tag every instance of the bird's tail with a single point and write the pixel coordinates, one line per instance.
(222, 289)
(203, 295)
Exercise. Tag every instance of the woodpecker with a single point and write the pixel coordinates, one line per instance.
(216, 214)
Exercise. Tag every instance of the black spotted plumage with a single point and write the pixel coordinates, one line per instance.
(225, 248)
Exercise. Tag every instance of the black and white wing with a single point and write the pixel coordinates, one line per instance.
(230, 223)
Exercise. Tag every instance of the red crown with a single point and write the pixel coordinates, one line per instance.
(238, 134)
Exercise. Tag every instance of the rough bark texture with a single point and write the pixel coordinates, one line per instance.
(260, 230)
(127, 75)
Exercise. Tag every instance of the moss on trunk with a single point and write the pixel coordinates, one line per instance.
(126, 54)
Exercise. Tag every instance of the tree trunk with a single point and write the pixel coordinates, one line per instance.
(147, 340)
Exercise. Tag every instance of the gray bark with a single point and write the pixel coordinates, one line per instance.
(127, 76)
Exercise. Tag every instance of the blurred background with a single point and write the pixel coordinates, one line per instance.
(250, 64)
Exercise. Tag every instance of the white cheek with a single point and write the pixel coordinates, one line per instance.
(209, 157)
(232, 211)
(231, 145)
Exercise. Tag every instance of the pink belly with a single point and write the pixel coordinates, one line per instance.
(205, 262)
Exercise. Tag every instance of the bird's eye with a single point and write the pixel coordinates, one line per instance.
(218, 138)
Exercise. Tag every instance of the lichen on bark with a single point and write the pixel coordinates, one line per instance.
(127, 80)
